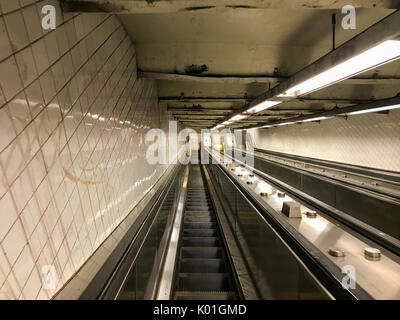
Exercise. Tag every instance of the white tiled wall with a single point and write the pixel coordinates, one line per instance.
(371, 140)
(72, 121)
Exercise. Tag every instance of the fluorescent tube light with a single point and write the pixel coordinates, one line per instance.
(262, 106)
(315, 119)
(380, 54)
(238, 117)
(226, 123)
(284, 124)
(376, 109)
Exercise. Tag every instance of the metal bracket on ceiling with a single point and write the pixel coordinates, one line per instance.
(333, 31)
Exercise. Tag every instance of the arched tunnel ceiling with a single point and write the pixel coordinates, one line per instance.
(210, 63)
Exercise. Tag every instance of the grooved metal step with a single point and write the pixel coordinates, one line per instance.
(198, 212)
(199, 215)
(201, 252)
(183, 295)
(200, 233)
(198, 208)
(203, 265)
(203, 282)
(199, 219)
(200, 241)
(200, 225)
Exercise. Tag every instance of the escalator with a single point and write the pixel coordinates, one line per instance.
(203, 269)
(176, 248)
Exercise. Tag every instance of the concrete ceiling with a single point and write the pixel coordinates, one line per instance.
(210, 63)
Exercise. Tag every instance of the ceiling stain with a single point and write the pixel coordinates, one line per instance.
(198, 8)
(196, 69)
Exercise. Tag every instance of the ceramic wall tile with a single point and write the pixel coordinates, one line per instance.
(5, 45)
(40, 55)
(9, 214)
(73, 117)
(371, 140)
(9, 78)
(9, 5)
(26, 66)
(14, 242)
(16, 30)
(33, 23)
(7, 131)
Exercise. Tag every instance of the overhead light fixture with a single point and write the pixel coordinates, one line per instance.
(219, 126)
(396, 106)
(284, 123)
(382, 53)
(262, 106)
(238, 117)
(315, 119)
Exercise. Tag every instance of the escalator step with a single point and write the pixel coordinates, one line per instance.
(200, 233)
(184, 295)
(197, 201)
(199, 219)
(201, 252)
(200, 205)
(203, 282)
(198, 214)
(202, 266)
(198, 208)
(200, 225)
(198, 197)
(201, 241)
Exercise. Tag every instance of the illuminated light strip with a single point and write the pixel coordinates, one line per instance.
(371, 110)
(285, 123)
(396, 106)
(226, 123)
(382, 53)
(262, 106)
(217, 127)
(238, 117)
(314, 119)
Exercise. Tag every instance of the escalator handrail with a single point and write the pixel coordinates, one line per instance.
(383, 239)
(99, 285)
